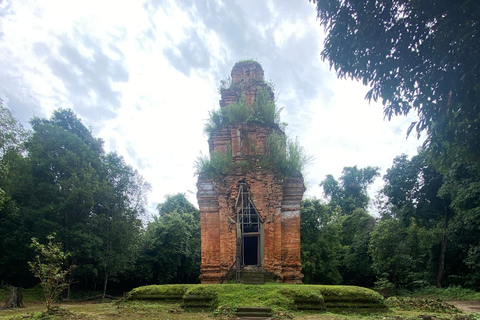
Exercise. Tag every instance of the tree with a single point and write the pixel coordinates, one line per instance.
(12, 133)
(389, 252)
(462, 186)
(412, 188)
(171, 244)
(401, 254)
(65, 183)
(50, 268)
(13, 178)
(320, 245)
(177, 202)
(123, 201)
(351, 192)
(66, 187)
(356, 263)
(414, 54)
(349, 196)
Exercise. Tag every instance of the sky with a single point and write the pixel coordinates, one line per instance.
(144, 76)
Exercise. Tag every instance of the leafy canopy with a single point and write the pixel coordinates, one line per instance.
(414, 54)
(351, 192)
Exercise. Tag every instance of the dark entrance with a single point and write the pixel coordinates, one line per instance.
(249, 230)
(250, 250)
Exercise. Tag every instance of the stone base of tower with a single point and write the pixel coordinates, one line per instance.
(211, 274)
(291, 274)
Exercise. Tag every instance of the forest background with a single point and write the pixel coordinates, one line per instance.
(57, 176)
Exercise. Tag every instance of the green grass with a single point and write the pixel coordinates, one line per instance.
(153, 292)
(450, 293)
(34, 294)
(425, 304)
(282, 298)
(162, 302)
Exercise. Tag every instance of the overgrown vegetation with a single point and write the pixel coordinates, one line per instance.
(214, 165)
(426, 304)
(50, 268)
(263, 111)
(285, 155)
(225, 299)
(164, 302)
(449, 293)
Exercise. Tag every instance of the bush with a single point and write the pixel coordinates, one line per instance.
(215, 165)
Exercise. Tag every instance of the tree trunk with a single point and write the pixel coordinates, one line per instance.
(15, 300)
(441, 263)
(105, 281)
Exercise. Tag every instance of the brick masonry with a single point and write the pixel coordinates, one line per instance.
(277, 199)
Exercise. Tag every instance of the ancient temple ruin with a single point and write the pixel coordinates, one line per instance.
(250, 213)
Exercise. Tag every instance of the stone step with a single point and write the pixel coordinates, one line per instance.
(254, 312)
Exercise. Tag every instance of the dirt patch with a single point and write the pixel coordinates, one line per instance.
(467, 306)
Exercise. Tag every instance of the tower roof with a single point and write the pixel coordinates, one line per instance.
(246, 71)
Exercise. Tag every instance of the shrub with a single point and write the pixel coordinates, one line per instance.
(50, 268)
(215, 165)
(238, 112)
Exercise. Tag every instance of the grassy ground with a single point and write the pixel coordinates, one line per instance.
(150, 310)
(420, 306)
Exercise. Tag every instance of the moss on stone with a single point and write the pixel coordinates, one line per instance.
(279, 297)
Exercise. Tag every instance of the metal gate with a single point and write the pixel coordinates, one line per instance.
(248, 225)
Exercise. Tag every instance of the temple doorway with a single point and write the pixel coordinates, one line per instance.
(250, 227)
(250, 250)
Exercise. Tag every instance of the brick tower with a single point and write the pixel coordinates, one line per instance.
(250, 214)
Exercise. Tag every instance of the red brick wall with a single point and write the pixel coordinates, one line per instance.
(277, 199)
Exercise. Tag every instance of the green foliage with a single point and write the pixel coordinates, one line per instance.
(401, 254)
(12, 133)
(170, 250)
(415, 57)
(225, 84)
(238, 112)
(178, 203)
(412, 189)
(286, 156)
(389, 252)
(320, 245)
(462, 187)
(356, 263)
(65, 183)
(226, 298)
(351, 192)
(348, 201)
(449, 293)
(246, 60)
(50, 268)
(353, 294)
(216, 121)
(426, 304)
(265, 109)
(214, 165)
(156, 292)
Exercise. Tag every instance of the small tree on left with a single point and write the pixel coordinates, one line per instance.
(50, 268)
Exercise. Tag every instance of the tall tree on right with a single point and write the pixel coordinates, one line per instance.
(349, 199)
(414, 54)
(351, 192)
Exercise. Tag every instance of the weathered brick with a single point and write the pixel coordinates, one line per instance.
(276, 198)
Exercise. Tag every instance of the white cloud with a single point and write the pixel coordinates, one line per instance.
(145, 76)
